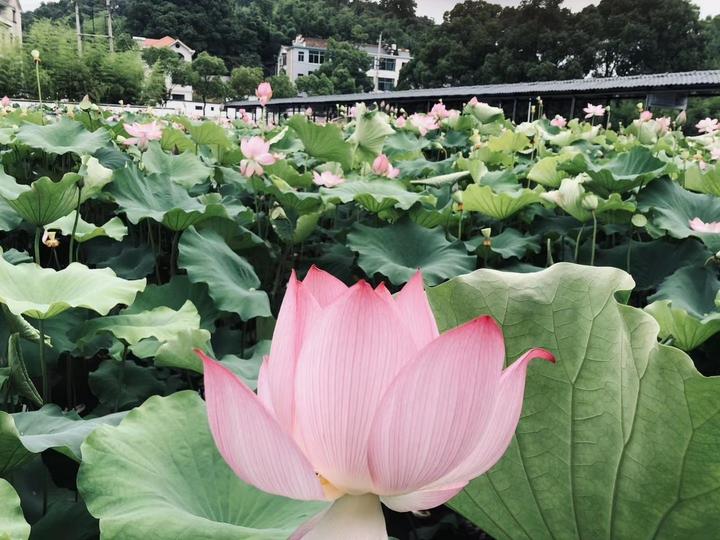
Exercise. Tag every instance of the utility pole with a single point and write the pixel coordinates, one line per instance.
(109, 26)
(78, 30)
(377, 64)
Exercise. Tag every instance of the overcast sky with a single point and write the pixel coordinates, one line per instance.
(436, 8)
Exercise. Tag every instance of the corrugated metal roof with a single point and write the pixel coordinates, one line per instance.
(666, 81)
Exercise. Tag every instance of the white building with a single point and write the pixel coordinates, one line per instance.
(306, 55)
(10, 22)
(177, 92)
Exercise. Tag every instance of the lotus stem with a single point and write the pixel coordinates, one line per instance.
(37, 76)
(174, 253)
(577, 243)
(550, 260)
(123, 361)
(75, 224)
(43, 363)
(594, 239)
(38, 235)
(629, 250)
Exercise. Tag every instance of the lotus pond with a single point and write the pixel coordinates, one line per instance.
(129, 242)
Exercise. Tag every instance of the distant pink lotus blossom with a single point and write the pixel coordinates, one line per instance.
(715, 153)
(473, 101)
(352, 113)
(327, 179)
(382, 167)
(362, 401)
(142, 134)
(646, 116)
(264, 93)
(594, 111)
(663, 124)
(245, 116)
(699, 225)
(308, 111)
(400, 121)
(558, 121)
(257, 153)
(5, 101)
(439, 111)
(423, 123)
(702, 165)
(709, 126)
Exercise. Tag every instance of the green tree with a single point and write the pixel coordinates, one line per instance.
(346, 66)
(282, 86)
(206, 77)
(400, 8)
(315, 85)
(711, 38)
(244, 80)
(154, 91)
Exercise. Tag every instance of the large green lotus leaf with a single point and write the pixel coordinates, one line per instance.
(231, 280)
(42, 293)
(498, 205)
(703, 182)
(400, 250)
(26, 433)
(123, 385)
(174, 294)
(684, 306)
(210, 133)
(371, 131)
(673, 207)
(156, 197)
(127, 261)
(63, 137)
(185, 169)
(323, 142)
(486, 113)
(686, 331)
(404, 145)
(12, 522)
(161, 323)
(509, 243)
(375, 195)
(85, 231)
(19, 378)
(651, 262)
(43, 201)
(625, 171)
(508, 142)
(179, 352)
(284, 170)
(618, 439)
(158, 475)
(546, 172)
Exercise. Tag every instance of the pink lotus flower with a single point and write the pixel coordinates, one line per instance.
(257, 153)
(715, 153)
(400, 121)
(473, 101)
(5, 101)
(142, 134)
(646, 116)
(558, 121)
(352, 113)
(308, 111)
(382, 167)
(264, 93)
(245, 116)
(327, 179)
(699, 225)
(663, 124)
(423, 123)
(439, 111)
(594, 110)
(362, 401)
(709, 125)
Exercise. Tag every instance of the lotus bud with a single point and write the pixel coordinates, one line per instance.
(85, 104)
(640, 106)
(681, 118)
(475, 138)
(639, 220)
(486, 232)
(49, 239)
(458, 197)
(590, 202)
(35, 55)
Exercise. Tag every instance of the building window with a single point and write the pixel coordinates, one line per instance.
(301, 56)
(284, 59)
(316, 56)
(385, 84)
(387, 64)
